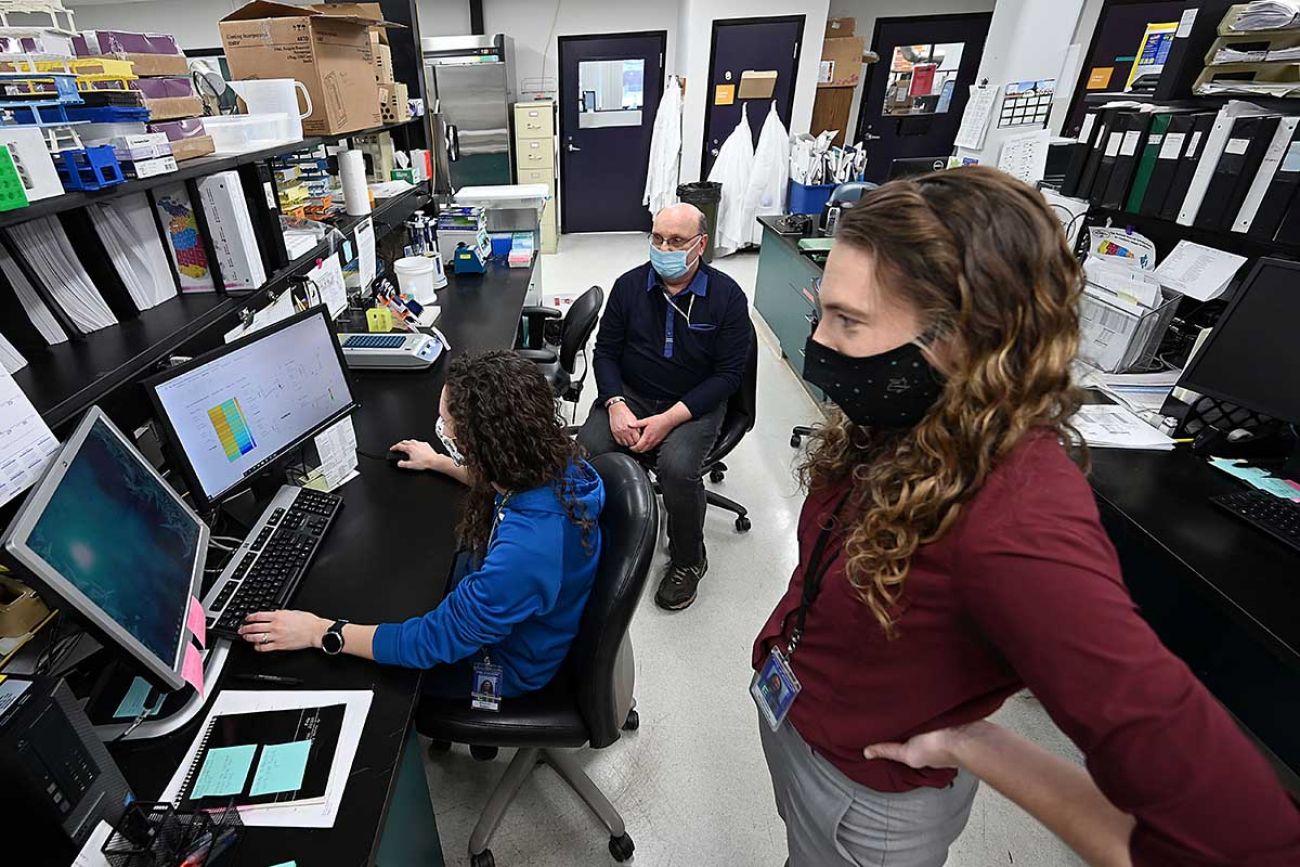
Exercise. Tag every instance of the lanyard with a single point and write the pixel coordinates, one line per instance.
(668, 321)
(812, 578)
(690, 306)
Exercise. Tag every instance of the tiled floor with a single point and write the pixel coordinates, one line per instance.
(691, 784)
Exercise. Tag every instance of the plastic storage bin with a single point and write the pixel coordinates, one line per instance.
(809, 200)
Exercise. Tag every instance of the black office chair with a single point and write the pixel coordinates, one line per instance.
(556, 350)
(590, 700)
(742, 411)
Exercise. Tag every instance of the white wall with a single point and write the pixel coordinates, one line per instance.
(865, 13)
(696, 27)
(193, 22)
(443, 17)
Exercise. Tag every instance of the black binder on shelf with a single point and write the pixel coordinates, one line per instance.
(1236, 170)
(1109, 154)
(1136, 126)
(1280, 196)
(1288, 231)
(1105, 123)
(1187, 166)
(1171, 153)
(1079, 158)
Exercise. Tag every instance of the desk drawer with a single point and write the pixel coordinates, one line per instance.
(536, 153)
(534, 121)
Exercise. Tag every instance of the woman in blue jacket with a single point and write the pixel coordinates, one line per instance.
(531, 512)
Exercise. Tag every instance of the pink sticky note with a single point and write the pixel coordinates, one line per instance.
(1295, 485)
(192, 668)
(197, 623)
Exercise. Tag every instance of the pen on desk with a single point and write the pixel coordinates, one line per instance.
(275, 679)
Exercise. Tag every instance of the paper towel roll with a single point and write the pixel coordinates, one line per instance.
(352, 172)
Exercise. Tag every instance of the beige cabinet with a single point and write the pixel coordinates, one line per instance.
(535, 160)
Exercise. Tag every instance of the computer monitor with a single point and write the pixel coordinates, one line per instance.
(104, 535)
(230, 414)
(1251, 357)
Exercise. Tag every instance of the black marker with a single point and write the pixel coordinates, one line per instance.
(275, 679)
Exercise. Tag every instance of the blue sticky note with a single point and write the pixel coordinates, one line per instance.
(281, 768)
(133, 702)
(224, 771)
(286, 864)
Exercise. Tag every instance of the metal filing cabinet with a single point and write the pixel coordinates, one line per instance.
(535, 159)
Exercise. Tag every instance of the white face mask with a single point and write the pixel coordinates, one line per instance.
(448, 443)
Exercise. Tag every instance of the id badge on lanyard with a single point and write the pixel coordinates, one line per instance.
(775, 686)
(485, 692)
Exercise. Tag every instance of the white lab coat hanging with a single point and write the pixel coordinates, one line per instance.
(769, 177)
(731, 169)
(665, 151)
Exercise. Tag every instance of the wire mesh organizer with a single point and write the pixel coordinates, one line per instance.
(155, 834)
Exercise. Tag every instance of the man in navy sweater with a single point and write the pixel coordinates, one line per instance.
(674, 340)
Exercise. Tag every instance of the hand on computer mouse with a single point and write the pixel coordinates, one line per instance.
(419, 455)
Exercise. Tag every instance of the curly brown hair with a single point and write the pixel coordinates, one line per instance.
(982, 258)
(510, 433)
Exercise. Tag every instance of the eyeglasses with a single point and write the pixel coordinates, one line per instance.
(672, 242)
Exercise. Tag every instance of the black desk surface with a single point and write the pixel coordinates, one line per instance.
(386, 559)
(1166, 495)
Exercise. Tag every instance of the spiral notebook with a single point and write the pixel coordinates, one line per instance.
(263, 758)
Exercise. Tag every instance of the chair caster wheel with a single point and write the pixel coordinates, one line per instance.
(743, 524)
(483, 859)
(438, 748)
(620, 847)
(633, 721)
(483, 754)
(795, 441)
(716, 476)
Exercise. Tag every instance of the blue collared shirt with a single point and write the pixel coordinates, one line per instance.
(646, 344)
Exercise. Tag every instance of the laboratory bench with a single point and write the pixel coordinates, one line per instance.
(386, 559)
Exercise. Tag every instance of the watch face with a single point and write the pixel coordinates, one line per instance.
(331, 643)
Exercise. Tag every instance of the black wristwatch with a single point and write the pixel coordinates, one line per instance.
(332, 641)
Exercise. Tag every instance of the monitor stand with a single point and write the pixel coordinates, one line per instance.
(175, 718)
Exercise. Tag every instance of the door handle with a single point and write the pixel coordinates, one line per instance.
(573, 149)
(870, 137)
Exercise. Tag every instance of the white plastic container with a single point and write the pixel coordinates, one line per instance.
(276, 96)
(420, 277)
(237, 133)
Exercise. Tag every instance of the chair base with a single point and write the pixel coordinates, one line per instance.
(564, 764)
(715, 472)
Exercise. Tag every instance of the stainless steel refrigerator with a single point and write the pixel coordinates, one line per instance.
(470, 83)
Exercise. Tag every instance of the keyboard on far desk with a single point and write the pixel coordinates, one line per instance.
(1275, 516)
(266, 568)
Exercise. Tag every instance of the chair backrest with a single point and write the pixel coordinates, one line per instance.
(629, 526)
(742, 408)
(579, 322)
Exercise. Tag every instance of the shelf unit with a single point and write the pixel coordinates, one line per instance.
(67, 378)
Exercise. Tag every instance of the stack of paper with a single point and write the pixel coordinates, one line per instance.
(26, 443)
(40, 315)
(1268, 15)
(1197, 271)
(127, 229)
(10, 358)
(1141, 392)
(1233, 55)
(47, 249)
(1115, 427)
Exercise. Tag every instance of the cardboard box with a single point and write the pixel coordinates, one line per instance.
(195, 146)
(836, 27)
(383, 61)
(152, 64)
(846, 53)
(393, 102)
(369, 11)
(329, 53)
(173, 107)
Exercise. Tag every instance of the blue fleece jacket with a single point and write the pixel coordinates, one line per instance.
(524, 603)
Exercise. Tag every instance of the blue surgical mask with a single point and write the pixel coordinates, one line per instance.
(670, 264)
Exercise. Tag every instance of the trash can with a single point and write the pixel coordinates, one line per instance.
(704, 195)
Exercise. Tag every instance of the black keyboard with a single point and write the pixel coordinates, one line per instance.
(267, 573)
(1275, 516)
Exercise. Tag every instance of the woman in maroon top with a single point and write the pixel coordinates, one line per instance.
(951, 554)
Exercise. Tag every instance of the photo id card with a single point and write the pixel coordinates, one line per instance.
(486, 692)
(774, 689)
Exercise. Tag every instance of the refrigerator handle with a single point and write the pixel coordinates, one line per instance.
(453, 142)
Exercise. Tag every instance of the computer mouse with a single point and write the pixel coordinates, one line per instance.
(395, 455)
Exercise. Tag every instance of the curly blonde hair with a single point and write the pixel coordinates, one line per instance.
(986, 263)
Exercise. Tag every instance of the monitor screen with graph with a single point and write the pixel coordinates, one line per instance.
(231, 413)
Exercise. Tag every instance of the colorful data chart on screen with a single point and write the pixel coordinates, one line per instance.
(232, 429)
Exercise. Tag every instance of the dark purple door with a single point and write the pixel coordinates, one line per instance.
(916, 93)
(610, 86)
(757, 44)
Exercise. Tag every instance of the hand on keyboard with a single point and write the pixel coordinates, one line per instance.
(283, 630)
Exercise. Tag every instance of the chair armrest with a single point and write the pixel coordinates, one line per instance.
(541, 313)
(538, 356)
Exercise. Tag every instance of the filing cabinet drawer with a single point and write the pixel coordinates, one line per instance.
(536, 153)
(534, 121)
(538, 176)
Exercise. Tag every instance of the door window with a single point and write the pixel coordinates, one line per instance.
(611, 93)
(922, 78)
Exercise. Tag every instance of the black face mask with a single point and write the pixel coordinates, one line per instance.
(894, 389)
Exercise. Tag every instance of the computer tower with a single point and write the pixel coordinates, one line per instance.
(58, 779)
